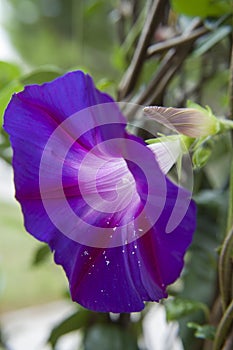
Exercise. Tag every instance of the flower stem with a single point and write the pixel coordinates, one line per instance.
(225, 269)
(226, 124)
(231, 83)
(155, 12)
(225, 259)
(230, 207)
(224, 327)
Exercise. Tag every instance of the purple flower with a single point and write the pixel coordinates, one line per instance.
(96, 195)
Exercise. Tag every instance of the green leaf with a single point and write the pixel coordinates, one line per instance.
(41, 254)
(36, 77)
(118, 58)
(8, 72)
(177, 308)
(92, 7)
(40, 76)
(201, 156)
(202, 8)
(72, 323)
(5, 95)
(203, 331)
(104, 84)
(218, 167)
(199, 274)
(105, 337)
(107, 85)
(210, 198)
(5, 148)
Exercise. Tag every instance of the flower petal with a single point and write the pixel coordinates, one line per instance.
(46, 106)
(70, 145)
(118, 279)
(166, 153)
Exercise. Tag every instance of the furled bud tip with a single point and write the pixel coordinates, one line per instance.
(193, 122)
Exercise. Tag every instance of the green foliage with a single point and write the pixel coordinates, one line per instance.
(218, 167)
(230, 210)
(41, 254)
(203, 331)
(72, 323)
(22, 285)
(60, 33)
(199, 275)
(98, 330)
(6, 93)
(105, 337)
(212, 39)
(202, 8)
(12, 80)
(107, 85)
(8, 72)
(9, 83)
(201, 156)
(177, 308)
(40, 76)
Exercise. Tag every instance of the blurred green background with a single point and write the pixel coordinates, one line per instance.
(21, 284)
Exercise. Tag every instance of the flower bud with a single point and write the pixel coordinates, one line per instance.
(193, 122)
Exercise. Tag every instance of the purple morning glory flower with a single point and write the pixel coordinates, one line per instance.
(96, 195)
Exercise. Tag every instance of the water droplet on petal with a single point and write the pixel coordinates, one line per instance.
(107, 262)
(86, 252)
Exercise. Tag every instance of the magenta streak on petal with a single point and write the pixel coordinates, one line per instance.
(151, 260)
(95, 254)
